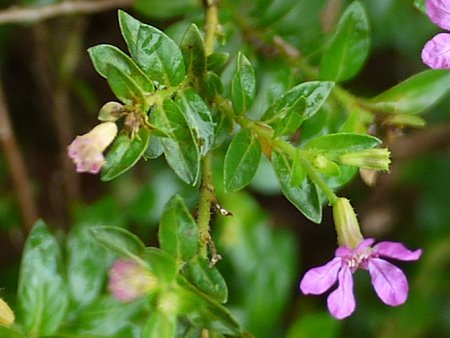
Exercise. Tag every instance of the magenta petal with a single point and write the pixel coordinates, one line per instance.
(341, 301)
(436, 52)
(318, 280)
(389, 282)
(439, 12)
(397, 251)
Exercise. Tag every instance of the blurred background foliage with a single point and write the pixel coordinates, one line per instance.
(53, 93)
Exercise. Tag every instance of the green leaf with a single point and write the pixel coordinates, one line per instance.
(42, 294)
(155, 53)
(181, 147)
(160, 325)
(420, 5)
(10, 333)
(163, 9)
(161, 264)
(314, 93)
(241, 160)
(305, 196)
(208, 279)
(342, 142)
(217, 61)
(212, 85)
(193, 50)
(126, 79)
(124, 153)
(207, 313)
(349, 47)
(243, 86)
(154, 149)
(118, 240)
(416, 94)
(199, 118)
(178, 232)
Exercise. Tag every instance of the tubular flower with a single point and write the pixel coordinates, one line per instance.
(129, 280)
(86, 150)
(436, 52)
(389, 282)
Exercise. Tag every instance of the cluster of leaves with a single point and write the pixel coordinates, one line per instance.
(182, 103)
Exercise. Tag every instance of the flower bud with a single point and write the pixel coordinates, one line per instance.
(86, 150)
(377, 159)
(110, 111)
(326, 166)
(346, 223)
(6, 314)
(129, 280)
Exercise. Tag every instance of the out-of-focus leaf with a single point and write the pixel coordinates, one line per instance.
(181, 147)
(316, 325)
(420, 5)
(415, 94)
(126, 79)
(157, 54)
(163, 9)
(208, 279)
(124, 153)
(193, 50)
(118, 240)
(42, 294)
(199, 118)
(160, 325)
(10, 333)
(349, 47)
(243, 86)
(305, 196)
(161, 264)
(178, 232)
(241, 160)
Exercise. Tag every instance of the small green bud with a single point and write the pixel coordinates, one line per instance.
(326, 166)
(377, 159)
(346, 223)
(110, 111)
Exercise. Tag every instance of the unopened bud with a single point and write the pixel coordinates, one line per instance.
(377, 159)
(6, 314)
(326, 166)
(110, 111)
(346, 223)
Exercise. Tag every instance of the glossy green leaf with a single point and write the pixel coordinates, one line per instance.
(415, 94)
(193, 50)
(155, 53)
(126, 79)
(342, 142)
(216, 61)
(160, 325)
(212, 85)
(349, 47)
(161, 264)
(118, 240)
(154, 149)
(298, 172)
(178, 232)
(42, 293)
(314, 93)
(305, 196)
(206, 312)
(223, 125)
(241, 160)
(199, 118)
(243, 86)
(124, 153)
(181, 147)
(208, 279)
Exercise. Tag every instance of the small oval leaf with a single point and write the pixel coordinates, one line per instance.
(243, 86)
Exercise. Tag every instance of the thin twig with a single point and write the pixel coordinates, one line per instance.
(16, 167)
(37, 14)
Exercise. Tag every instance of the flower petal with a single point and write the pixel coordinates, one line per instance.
(341, 301)
(318, 280)
(396, 250)
(439, 12)
(436, 52)
(389, 282)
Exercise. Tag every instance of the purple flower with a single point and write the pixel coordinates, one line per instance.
(436, 52)
(389, 282)
(129, 280)
(86, 150)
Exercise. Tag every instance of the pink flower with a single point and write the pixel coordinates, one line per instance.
(436, 52)
(86, 150)
(129, 280)
(389, 282)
